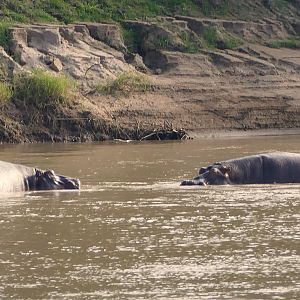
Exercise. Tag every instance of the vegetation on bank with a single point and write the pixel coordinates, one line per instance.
(289, 43)
(39, 88)
(5, 33)
(68, 11)
(5, 93)
(214, 39)
(125, 84)
(42, 88)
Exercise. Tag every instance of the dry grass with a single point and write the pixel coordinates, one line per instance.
(125, 84)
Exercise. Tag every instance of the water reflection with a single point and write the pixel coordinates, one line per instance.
(133, 233)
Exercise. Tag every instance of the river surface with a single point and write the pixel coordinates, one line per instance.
(133, 233)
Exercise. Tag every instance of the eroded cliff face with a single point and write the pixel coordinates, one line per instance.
(86, 52)
(194, 87)
(91, 52)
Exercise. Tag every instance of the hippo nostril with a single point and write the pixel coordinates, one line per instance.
(73, 184)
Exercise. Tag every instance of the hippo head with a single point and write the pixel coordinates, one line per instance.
(216, 174)
(48, 180)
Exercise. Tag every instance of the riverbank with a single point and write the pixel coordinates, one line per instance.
(191, 75)
(227, 100)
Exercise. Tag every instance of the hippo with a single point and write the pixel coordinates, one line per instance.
(266, 168)
(16, 178)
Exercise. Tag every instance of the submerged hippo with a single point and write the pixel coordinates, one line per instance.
(14, 178)
(267, 168)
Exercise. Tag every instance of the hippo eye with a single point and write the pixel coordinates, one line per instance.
(214, 170)
(224, 169)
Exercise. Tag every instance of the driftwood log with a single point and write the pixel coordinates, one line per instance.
(162, 135)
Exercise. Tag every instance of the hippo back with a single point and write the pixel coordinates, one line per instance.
(281, 167)
(246, 170)
(13, 177)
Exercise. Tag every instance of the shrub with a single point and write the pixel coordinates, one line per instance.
(125, 84)
(42, 88)
(5, 93)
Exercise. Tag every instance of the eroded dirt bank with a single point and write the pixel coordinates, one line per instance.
(251, 87)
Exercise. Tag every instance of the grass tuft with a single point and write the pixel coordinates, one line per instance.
(5, 34)
(132, 39)
(5, 93)
(125, 84)
(192, 44)
(210, 36)
(220, 41)
(289, 43)
(42, 89)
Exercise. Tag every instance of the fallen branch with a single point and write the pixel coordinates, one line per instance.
(165, 135)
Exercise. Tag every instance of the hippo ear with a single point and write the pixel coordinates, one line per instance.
(49, 173)
(38, 173)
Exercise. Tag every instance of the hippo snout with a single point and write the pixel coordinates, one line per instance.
(71, 183)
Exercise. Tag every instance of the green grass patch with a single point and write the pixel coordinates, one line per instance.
(231, 42)
(132, 39)
(42, 89)
(192, 44)
(163, 43)
(67, 11)
(220, 41)
(4, 73)
(211, 37)
(5, 93)
(125, 84)
(280, 4)
(5, 34)
(61, 10)
(209, 9)
(289, 43)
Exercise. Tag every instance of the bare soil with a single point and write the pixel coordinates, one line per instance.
(214, 92)
(244, 93)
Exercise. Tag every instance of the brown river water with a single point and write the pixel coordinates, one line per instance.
(133, 233)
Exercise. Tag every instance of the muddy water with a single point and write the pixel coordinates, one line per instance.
(133, 233)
